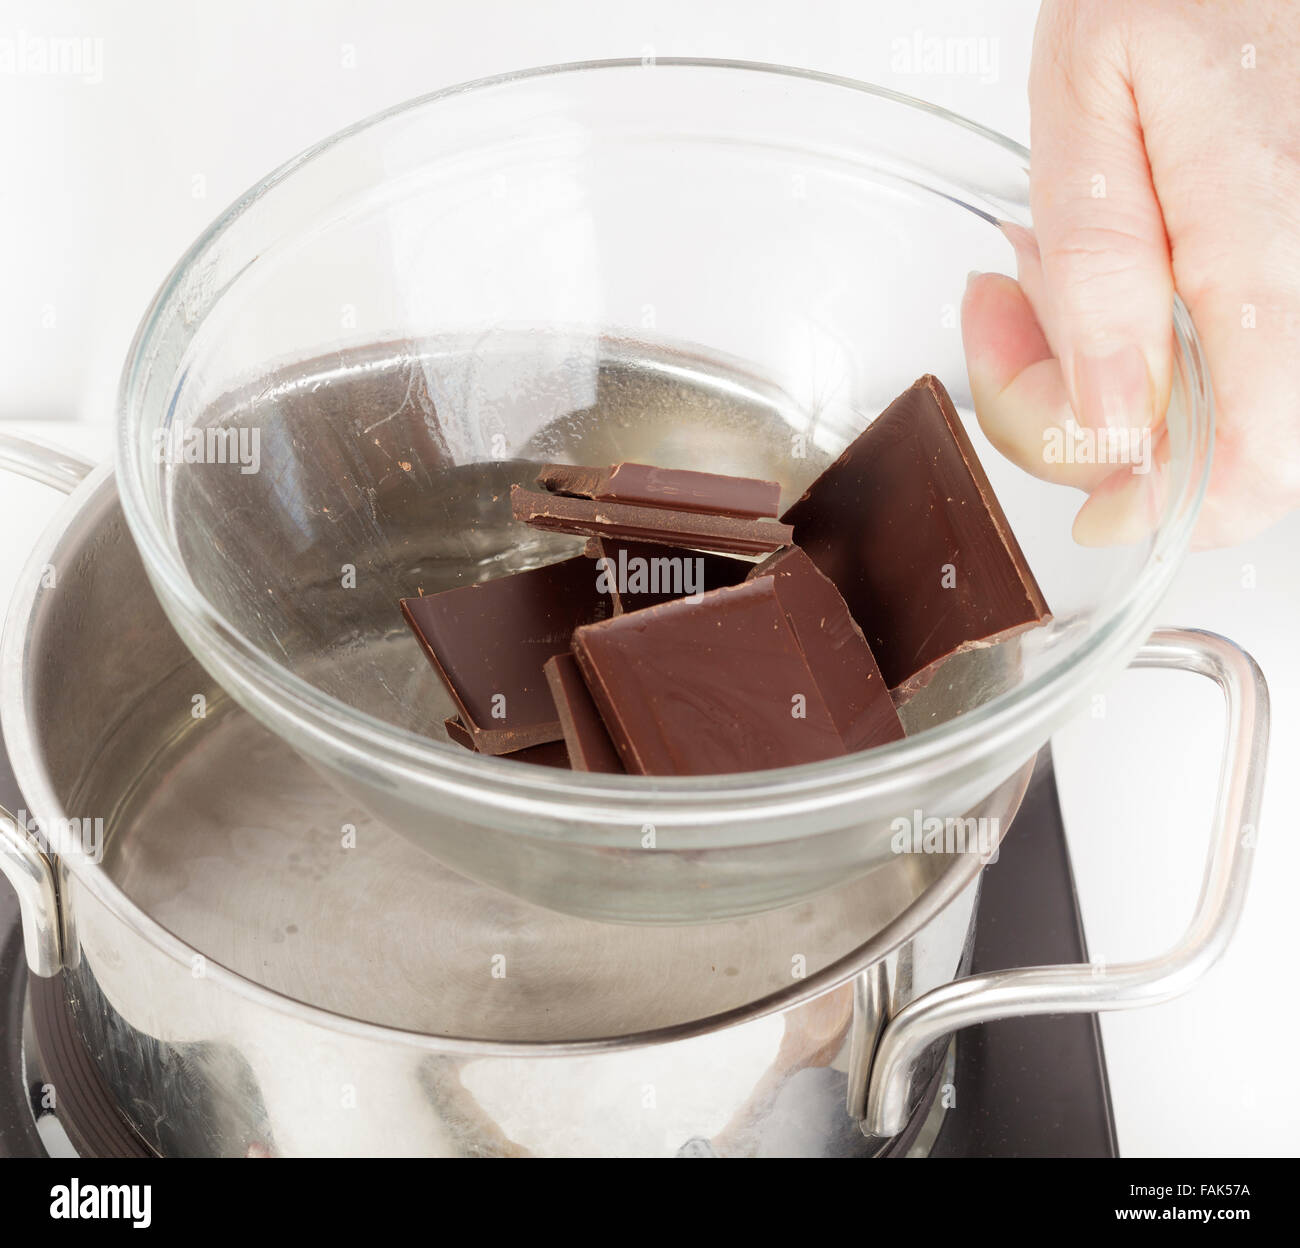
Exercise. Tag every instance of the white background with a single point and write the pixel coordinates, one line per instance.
(103, 184)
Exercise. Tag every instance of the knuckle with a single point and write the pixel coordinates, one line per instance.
(1087, 262)
(1080, 60)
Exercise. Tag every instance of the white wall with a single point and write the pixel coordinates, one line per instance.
(106, 181)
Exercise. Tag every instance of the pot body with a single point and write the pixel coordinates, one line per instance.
(200, 1069)
(257, 966)
(247, 980)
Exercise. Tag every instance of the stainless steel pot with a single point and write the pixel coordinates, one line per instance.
(255, 966)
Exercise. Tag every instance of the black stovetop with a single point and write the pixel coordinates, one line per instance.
(1031, 1087)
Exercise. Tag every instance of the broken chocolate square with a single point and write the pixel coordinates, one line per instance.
(676, 488)
(708, 687)
(585, 736)
(548, 754)
(489, 642)
(837, 653)
(906, 526)
(559, 513)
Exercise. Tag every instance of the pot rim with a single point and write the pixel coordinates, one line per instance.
(580, 807)
(38, 792)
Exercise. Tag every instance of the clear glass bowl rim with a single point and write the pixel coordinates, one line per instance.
(508, 787)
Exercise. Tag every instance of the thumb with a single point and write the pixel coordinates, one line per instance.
(1107, 280)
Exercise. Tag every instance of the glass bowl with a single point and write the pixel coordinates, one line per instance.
(699, 264)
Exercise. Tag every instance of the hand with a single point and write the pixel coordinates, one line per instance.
(1165, 143)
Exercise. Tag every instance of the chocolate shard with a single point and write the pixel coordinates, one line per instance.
(693, 530)
(837, 653)
(548, 754)
(906, 526)
(640, 574)
(458, 733)
(489, 642)
(678, 489)
(708, 687)
(585, 736)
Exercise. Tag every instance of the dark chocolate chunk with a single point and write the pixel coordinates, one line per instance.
(591, 518)
(676, 488)
(907, 527)
(640, 574)
(708, 687)
(585, 735)
(548, 754)
(458, 732)
(837, 653)
(489, 642)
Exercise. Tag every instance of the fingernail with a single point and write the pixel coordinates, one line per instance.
(1024, 244)
(1112, 387)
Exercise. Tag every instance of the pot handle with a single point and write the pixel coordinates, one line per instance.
(50, 465)
(31, 872)
(28, 867)
(1083, 988)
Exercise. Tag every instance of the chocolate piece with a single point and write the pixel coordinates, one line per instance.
(560, 514)
(488, 642)
(905, 512)
(708, 687)
(641, 574)
(548, 754)
(585, 736)
(676, 488)
(837, 653)
(458, 732)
